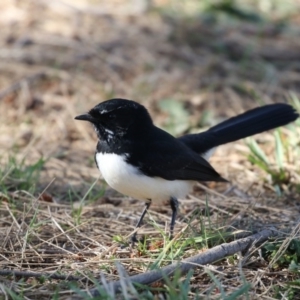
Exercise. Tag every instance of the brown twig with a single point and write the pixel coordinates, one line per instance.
(211, 255)
(40, 275)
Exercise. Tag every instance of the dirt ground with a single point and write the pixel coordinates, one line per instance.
(60, 58)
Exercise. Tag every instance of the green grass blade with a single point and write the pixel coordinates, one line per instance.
(257, 151)
(279, 150)
(241, 291)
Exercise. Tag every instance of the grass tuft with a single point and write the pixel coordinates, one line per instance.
(20, 176)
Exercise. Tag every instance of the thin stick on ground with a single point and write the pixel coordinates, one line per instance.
(210, 256)
(26, 274)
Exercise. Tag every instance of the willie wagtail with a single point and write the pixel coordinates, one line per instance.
(145, 162)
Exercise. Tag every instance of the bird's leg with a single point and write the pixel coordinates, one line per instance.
(174, 206)
(133, 238)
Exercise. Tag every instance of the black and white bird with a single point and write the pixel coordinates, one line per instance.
(140, 160)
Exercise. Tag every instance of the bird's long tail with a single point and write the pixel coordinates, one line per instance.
(247, 124)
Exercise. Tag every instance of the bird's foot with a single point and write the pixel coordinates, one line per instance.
(133, 240)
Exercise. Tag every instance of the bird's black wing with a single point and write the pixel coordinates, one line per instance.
(168, 158)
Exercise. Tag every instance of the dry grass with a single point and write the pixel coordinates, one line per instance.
(58, 60)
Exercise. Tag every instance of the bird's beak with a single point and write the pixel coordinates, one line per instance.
(85, 117)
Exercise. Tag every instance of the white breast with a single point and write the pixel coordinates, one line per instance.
(128, 180)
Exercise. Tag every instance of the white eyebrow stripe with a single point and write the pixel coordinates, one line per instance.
(109, 131)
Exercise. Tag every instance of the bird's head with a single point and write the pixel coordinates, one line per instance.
(117, 117)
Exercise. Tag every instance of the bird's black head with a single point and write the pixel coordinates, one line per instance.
(117, 117)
